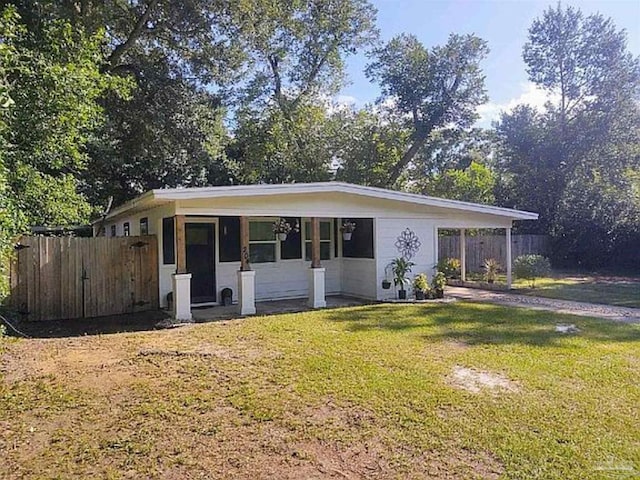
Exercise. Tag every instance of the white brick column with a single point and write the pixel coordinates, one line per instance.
(182, 297)
(247, 292)
(316, 288)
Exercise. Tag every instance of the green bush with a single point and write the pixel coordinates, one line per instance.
(531, 267)
(438, 283)
(450, 267)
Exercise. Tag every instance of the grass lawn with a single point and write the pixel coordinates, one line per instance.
(624, 292)
(364, 392)
(608, 290)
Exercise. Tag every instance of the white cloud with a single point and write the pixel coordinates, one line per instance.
(530, 95)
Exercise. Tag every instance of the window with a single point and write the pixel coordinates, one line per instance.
(144, 226)
(229, 239)
(291, 248)
(325, 240)
(126, 229)
(361, 243)
(113, 230)
(262, 242)
(168, 239)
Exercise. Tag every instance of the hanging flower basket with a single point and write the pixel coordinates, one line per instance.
(282, 228)
(347, 229)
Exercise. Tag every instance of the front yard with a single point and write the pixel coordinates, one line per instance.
(442, 391)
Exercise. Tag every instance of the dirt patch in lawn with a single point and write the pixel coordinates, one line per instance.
(476, 381)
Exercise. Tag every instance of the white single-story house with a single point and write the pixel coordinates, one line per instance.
(220, 240)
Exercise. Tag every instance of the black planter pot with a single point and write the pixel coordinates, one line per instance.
(439, 293)
(386, 284)
(491, 280)
(419, 295)
(402, 294)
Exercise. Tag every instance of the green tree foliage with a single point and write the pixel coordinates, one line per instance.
(296, 53)
(473, 184)
(433, 89)
(276, 148)
(54, 84)
(575, 162)
(366, 145)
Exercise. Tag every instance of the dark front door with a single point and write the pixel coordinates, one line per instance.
(200, 244)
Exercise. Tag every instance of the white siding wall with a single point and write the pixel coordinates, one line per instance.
(387, 232)
(358, 277)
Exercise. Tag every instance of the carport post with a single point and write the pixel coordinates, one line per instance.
(317, 297)
(463, 255)
(508, 238)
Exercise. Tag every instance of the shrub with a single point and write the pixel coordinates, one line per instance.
(450, 267)
(531, 267)
(421, 282)
(438, 283)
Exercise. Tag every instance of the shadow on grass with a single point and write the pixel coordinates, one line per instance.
(131, 322)
(477, 324)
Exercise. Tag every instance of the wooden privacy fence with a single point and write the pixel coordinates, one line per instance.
(481, 247)
(65, 277)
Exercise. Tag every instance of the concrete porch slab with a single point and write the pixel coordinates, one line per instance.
(273, 307)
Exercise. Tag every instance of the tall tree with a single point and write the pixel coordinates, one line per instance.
(434, 89)
(571, 162)
(55, 83)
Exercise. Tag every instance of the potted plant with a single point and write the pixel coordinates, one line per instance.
(491, 268)
(438, 283)
(401, 267)
(281, 228)
(347, 229)
(420, 285)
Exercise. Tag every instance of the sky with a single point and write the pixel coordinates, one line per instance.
(502, 23)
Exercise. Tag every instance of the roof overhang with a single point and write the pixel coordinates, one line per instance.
(159, 197)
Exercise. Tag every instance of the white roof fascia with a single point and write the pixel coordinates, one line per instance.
(337, 187)
(152, 196)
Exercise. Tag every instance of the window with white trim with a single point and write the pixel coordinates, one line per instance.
(262, 242)
(325, 240)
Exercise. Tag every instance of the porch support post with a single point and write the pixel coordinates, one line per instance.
(182, 297)
(463, 255)
(315, 242)
(508, 239)
(181, 249)
(316, 272)
(246, 276)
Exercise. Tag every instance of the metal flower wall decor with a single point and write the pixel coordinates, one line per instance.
(408, 244)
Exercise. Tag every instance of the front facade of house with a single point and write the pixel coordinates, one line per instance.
(210, 236)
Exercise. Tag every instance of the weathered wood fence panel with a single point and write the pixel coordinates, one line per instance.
(65, 277)
(481, 247)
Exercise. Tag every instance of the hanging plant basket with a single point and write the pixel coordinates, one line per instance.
(282, 236)
(386, 284)
(347, 229)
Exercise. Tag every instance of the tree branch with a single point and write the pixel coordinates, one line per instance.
(140, 25)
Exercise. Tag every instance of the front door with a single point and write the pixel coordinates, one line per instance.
(200, 246)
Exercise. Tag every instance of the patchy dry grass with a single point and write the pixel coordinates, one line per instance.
(620, 291)
(354, 393)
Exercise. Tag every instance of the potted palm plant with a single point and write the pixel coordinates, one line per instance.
(281, 228)
(401, 267)
(347, 229)
(420, 286)
(491, 269)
